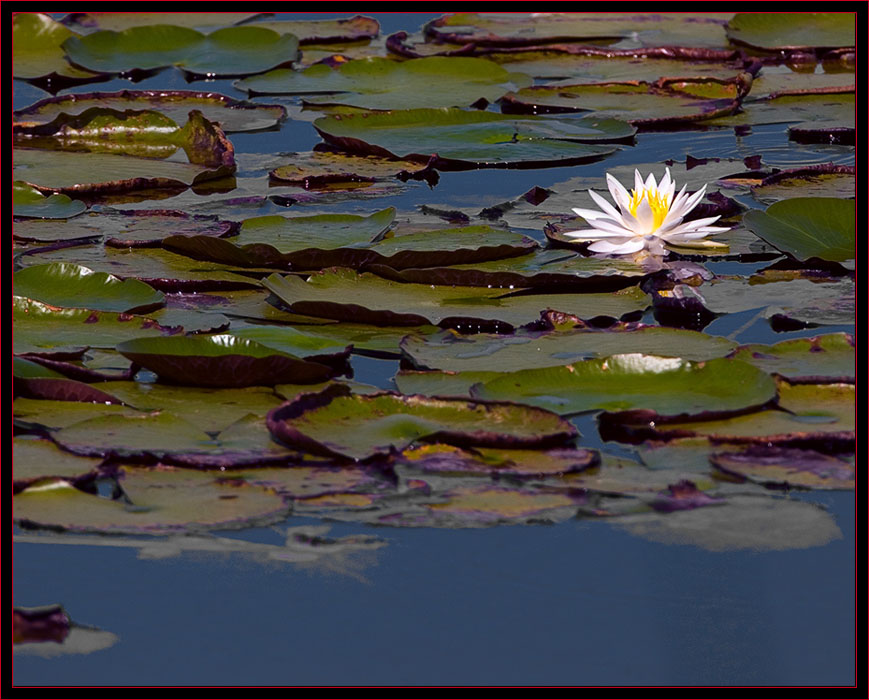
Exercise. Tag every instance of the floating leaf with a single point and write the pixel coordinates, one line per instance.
(309, 482)
(74, 286)
(52, 414)
(473, 139)
(161, 500)
(325, 169)
(326, 31)
(346, 295)
(826, 357)
(792, 31)
(89, 21)
(528, 350)
(379, 423)
(813, 181)
(668, 386)
(785, 468)
(831, 109)
(37, 52)
(29, 202)
(230, 114)
(224, 361)
(37, 459)
(226, 52)
(381, 83)
(808, 227)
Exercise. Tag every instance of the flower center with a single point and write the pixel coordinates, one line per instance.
(658, 203)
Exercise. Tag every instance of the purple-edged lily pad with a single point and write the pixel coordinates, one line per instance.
(337, 423)
(826, 180)
(326, 31)
(29, 202)
(792, 31)
(226, 361)
(824, 358)
(784, 468)
(34, 459)
(329, 170)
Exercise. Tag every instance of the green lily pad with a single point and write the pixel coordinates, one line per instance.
(37, 40)
(53, 414)
(326, 31)
(808, 227)
(786, 468)
(818, 181)
(73, 286)
(529, 350)
(300, 482)
(161, 500)
(29, 202)
(645, 105)
(349, 296)
(223, 361)
(668, 386)
(832, 109)
(226, 52)
(778, 31)
(230, 114)
(779, 80)
(375, 341)
(473, 139)
(381, 83)
(380, 423)
(38, 459)
(90, 21)
(831, 356)
(441, 383)
(327, 169)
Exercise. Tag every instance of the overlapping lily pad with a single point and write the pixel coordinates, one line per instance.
(230, 114)
(29, 202)
(473, 139)
(789, 31)
(528, 350)
(348, 296)
(37, 49)
(160, 501)
(74, 286)
(808, 227)
(813, 181)
(380, 423)
(830, 109)
(89, 21)
(822, 358)
(786, 468)
(226, 361)
(380, 83)
(226, 52)
(325, 169)
(38, 458)
(326, 31)
(669, 386)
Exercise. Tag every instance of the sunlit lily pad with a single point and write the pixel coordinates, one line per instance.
(224, 361)
(441, 383)
(326, 31)
(326, 169)
(51, 414)
(645, 105)
(73, 286)
(348, 296)
(782, 467)
(778, 31)
(35, 381)
(232, 115)
(379, 423)
(37, 49)
(310, 482)
(832, 109)
(818, 181)
(30, 202)
(668, 386)
(778, 80)
(161, 500)
(808, 227)
(380, 83)
(34, 459)
(225, 52)
(473, 139)
(529, 350)
(89, 21)
(825, 357)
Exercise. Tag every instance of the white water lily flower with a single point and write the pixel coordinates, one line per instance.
(646, 218)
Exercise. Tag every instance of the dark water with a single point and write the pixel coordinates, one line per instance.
(579, 603)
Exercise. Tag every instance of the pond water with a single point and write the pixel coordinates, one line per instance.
(584, 601)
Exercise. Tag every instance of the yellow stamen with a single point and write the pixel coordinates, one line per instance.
(658, 203)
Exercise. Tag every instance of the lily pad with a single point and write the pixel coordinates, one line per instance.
(29, 202)
(226, 52)
(37, 459)
(37, 49)
(808, 227)
(647, 106)
(224, 361)
(786, 468)
(326, 31)
(441, 383)
(473, 139)
(73, 286)
(378, 301)
(89, 21)
(832, 109)
(792, 31)
(810, 360)
(230, 114)
(51, 414)
(669, 386)
(380, 423)
(814, 181)
(160, 501)
(529, 350)
(325, 169)
(381, 83)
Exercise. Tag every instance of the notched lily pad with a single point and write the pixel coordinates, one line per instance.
(226, 361)
(823, 359)
(463, 139)
(230, 114)
(779, 467)
(73, 286)
(29, 202)
(37, 40)
(380, 423)
(35, 459)
(666, 385)
(808, 227)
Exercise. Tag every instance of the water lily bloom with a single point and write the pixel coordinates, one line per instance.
(647, 217)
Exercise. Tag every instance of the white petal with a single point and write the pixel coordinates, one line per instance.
(591, 214)
(619, 193)
(665, 181)
(606, 206)
(650, 183)
(630, 245)
(645, 217)
(594, 234)
(639, 185)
